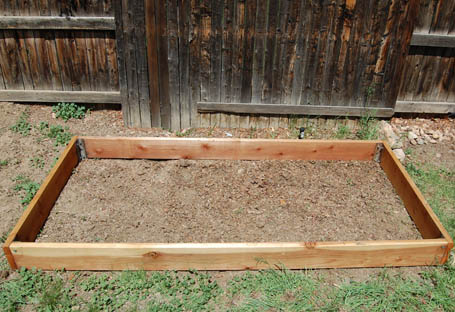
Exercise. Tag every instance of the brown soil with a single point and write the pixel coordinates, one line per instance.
(227, 201)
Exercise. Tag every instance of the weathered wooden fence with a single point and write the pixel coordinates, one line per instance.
(308, 55)
(244, 63)
(58, 50)
(428, 78)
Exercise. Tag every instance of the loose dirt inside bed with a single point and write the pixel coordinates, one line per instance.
(227, 201)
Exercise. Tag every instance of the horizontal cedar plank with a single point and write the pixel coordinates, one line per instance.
(57, 22)
(423, 216)
(227, 256)
(282, 109)
(424, 107)
(35, 215)
(59, 96)
(231, 149)
(433, 40)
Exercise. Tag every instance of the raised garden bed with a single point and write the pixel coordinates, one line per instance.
(209, 251)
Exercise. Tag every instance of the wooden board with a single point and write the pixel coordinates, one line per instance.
(199, 148)
(39, 208)
(21, 251)
(57, 22)
(59, 96)
(424, 107)
(227, 256)
(281, 109)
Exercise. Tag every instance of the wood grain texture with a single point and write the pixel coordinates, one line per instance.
(228, 256)
(425, 219)
(258, 149)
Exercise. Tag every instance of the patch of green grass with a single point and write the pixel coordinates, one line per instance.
(67, 111)
(395, 293)
(27, 188)
(368, 127)
(4, 163)
(22, 125)
(275, 290)
(61, 135)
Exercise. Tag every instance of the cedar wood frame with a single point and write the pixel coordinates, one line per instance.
(22, 251)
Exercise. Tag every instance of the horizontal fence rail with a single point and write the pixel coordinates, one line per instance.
(57, 22)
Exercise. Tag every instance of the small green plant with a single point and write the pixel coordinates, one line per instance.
(42, 127)
(370, 90)
(211, 129)
(67, 111)
(252, 132)
(22, 125)
(3, 237)
(343, 132)
(4, 163)
(60, 134)
(184, 133)
(368, 127)
(37, 162)
(27, 187)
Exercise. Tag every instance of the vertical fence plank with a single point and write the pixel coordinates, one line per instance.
(121, 57)
(142, 65)
(165, 105)
(259, 51)
(277, 84)
(206, 27)
(248, 48)
(173, 57)
(184, 63)
(152, 57)
(195, 60)
(290, 54)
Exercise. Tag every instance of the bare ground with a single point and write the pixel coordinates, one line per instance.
(227, 201)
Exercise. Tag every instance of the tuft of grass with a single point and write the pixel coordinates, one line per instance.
(27, 188)
(4, 163)
(22, 125)
(368, 127)
(343, 132)
(67, 111)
